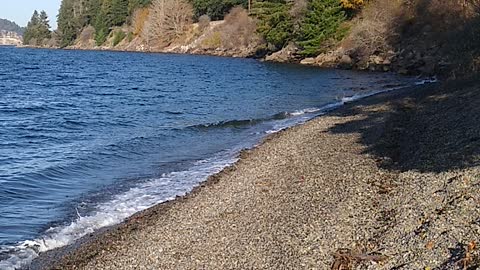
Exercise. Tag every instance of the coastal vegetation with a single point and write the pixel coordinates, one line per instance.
(310, 23)
(406, 36)
(38, 29)
(103, 15)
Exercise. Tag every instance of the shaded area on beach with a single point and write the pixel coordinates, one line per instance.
(430, 131)
(429, 140)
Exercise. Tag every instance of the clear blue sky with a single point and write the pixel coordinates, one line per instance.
(20, 11)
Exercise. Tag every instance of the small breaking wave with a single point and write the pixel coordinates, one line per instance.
(251, 122)
(115, 211)
(228, 124)
(426, 81)
(341, 101)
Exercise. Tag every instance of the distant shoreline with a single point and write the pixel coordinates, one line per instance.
(108, 49)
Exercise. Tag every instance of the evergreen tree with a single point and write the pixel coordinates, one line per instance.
(44, 26)
(118, 12)
(38, 29)
(30, 32)
(92, 8)
(215, 9)
(275, 22)
(321, 26)
(101, 28)
(74, 15)
(67, 23)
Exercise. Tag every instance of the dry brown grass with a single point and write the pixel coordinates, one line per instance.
(214, 40)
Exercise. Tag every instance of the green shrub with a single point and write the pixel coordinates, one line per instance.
(118, 36)
(130, 36)
(101, 36)
(213, 41)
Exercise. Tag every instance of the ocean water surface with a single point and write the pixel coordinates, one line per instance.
(89, 138)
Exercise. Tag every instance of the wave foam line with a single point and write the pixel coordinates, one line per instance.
(115, 211)
(342, 101)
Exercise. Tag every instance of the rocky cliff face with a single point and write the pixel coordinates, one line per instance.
(10, 38)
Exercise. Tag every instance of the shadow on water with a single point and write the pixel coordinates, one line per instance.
(435, 129)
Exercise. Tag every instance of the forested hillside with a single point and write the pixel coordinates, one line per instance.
(408, 36)
(10, 26)
(101, 14)
(313, 24)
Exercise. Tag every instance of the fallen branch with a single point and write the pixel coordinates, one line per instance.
(345, 258)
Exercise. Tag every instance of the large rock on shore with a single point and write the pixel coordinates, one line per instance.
(285, 55)
(408, 62)
(338, 58)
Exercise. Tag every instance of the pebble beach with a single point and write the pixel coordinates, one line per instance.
(388, 182)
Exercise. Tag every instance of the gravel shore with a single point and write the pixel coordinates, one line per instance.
(389, 182)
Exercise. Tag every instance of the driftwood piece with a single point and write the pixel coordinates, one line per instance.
(346, 258)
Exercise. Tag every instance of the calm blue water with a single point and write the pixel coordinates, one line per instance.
(89, 138)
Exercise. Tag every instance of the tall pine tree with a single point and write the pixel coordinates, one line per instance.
(118, 13)
(321, 26)
(44, 28)
(67, 23)
(38, 29)
(275, 22)
(30, 32)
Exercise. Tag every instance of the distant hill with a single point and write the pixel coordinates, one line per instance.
(10, 26)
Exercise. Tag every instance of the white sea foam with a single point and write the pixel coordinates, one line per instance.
(284, 124)
(304, 111)
(116, 210)
(429, 80)
(314, 112)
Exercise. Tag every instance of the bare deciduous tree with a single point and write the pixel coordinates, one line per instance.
(167, 21)
(238, 29)
(203, 22)
(370, 34)
(139, 17)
